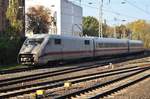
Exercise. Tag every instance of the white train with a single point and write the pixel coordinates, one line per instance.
(44, 48)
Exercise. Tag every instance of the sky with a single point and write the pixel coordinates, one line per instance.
(116, 13)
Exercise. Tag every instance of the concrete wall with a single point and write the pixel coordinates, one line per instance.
(71, 18)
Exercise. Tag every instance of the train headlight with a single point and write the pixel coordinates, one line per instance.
(35, 58)
(23, 59)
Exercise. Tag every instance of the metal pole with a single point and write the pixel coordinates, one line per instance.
(100, 18)
(115, 32)
(99, 30)
(115, 35)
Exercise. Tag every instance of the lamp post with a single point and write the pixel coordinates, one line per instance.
(115, 35)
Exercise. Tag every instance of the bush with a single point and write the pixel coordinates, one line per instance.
(9, 49)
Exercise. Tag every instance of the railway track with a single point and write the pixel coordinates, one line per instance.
(14, 80)
(59, 80)
(10, 92)
(30, 68)
(109, 87)
(35, 76)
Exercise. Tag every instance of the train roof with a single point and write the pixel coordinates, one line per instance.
(90, 38)
(111, 40)
(39, 36)
(106, 40)
(135, 41)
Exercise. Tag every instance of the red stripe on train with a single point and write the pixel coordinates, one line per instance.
(79, 52)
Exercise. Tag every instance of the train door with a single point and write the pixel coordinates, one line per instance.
(57, 49)
(88, 48)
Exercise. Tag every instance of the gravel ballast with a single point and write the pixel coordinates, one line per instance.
(140, 90)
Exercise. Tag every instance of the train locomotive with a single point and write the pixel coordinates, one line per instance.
(45, 48)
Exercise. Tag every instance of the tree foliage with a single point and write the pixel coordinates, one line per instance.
(90, 26)
(12, 12)
(11, 40)
(9, 49)
(38, 19)
(122, 31)
(140, 31)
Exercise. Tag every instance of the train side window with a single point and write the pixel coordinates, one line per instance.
(87, 42)
(57, 41)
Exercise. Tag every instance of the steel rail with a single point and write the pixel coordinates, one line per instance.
(73, 94)
(20, 92)
(112, 72)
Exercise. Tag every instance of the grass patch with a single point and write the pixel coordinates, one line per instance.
(5, 67)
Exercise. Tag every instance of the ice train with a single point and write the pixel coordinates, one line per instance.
(44, 48)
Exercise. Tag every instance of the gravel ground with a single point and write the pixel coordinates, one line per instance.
(121, 95)
(94, 70)
(140, 90)
(75, 87)
(61, 90)
(73, 74)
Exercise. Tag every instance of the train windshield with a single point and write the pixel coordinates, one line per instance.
(33, 41)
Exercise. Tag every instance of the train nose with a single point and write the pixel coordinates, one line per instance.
(26, 58)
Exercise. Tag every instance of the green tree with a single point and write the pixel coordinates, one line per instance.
(39, 19)
(90, 26)
(12, 12)
(11, 40)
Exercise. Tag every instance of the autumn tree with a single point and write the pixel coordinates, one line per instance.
(12, 38)
(12, 12)
(109, 31)
(141, 31)
(122, 31)
(38, 19)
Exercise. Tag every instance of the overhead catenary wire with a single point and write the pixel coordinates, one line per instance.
(134, 5)
(110, 11)
(106, 10)
(129, 2)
